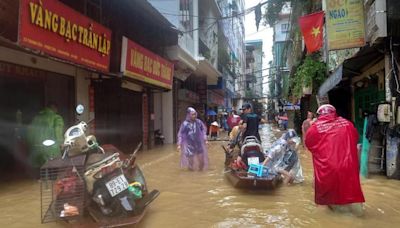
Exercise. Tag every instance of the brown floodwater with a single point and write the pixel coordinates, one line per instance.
(207, 199)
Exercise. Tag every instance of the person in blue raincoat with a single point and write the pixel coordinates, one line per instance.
(192, 140)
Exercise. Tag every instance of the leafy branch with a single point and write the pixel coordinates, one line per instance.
(311, 72)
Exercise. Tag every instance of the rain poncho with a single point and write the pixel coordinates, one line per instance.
(191, 137)
(46, 125)
(332, 141)
(283, 157)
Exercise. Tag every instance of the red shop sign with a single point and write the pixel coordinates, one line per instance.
(52, 27)
(143, 65)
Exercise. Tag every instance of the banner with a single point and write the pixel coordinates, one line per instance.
(143, 65)
(311, 27)
(52, 27)
(345, 24)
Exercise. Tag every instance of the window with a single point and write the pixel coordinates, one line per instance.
(186, 15)
(285, 27)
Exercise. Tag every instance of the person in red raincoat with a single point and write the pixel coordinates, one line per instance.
(332, 141)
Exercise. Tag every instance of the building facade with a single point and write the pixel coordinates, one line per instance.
(90, 56)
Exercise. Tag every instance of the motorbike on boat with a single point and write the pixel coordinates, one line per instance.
(89, 179)
(250, 174)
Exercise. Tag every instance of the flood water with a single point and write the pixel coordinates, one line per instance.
(207, 199)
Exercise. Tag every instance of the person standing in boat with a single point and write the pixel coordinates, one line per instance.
(251, 122)
(192, 141)
(332, 141)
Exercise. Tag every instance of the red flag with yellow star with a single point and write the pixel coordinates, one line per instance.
(311, 26)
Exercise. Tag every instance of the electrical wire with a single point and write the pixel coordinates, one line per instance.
(246, 11)
(217, 19)
(393, 65)
(285, 47)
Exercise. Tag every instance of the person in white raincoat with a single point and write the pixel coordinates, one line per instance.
(282, 157)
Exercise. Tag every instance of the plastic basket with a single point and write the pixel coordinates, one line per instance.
(258, 170)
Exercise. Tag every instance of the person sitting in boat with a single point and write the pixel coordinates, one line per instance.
(235, 136)
(282, 157)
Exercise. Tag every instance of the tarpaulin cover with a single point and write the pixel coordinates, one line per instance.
(278, 153)
(332, 141)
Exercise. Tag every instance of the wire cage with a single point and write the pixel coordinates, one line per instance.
(62, 189)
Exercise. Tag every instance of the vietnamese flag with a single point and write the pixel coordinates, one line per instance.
(311, 26)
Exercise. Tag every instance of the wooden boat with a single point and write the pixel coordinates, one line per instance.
(124, 220)
(241, 179)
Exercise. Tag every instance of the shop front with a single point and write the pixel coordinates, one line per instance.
(49, 63)
(356, 88)
(186, 98)
(147, 78)
(24, 92)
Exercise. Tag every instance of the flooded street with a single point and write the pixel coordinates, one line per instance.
(207, 199)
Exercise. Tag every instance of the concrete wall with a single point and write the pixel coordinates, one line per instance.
(258, 65)
(167, 117)
(167, 8)
(29, 60)
(209, 29)
(81, 75)
(170, 10)
(278, 33)
(158, 113)
(82, 83)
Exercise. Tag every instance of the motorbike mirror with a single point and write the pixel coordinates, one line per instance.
(48, 142)
(79, 109)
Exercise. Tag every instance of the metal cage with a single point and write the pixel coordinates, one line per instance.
(62, 189)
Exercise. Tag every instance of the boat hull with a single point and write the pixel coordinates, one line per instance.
(242, 180)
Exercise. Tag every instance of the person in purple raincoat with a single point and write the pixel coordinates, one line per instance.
(192, 140)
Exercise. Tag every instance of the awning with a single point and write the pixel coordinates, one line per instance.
(207, 69)
(351, 67)
(331, 82)
(183, 58)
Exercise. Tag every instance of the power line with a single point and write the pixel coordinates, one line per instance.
(207, 29)
(246, 11)
(245, 89)
(285, 47)
(257, 31)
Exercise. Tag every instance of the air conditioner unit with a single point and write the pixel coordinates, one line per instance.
(376, 27)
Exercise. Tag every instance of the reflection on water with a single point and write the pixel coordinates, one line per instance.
(207, 199)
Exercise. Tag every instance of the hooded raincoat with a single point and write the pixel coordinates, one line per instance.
(192, 136)
(46, 125)
(332, 141)
(283, 157)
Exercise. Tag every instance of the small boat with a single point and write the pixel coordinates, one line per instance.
(244, 179)
(241, 179)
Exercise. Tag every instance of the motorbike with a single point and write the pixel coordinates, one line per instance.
(158, 137)
(241, 174)
(91, 179)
